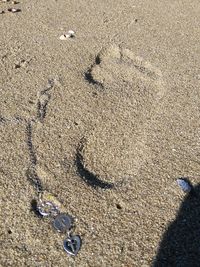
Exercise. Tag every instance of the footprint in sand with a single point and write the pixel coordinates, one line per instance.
(43, 100)
(133, 89)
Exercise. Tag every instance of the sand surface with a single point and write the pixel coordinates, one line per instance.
(108, 119)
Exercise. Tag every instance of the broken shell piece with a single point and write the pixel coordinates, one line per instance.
(70, 34)
(64, 37)
(14, 10)
(184, 185)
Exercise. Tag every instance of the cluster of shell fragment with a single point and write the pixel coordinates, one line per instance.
(12, 2)
(12, 10)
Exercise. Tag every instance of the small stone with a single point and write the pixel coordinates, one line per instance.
(2, 11)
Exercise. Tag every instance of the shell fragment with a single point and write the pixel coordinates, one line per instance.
(184, 185)
(70, 34)
(14, 10)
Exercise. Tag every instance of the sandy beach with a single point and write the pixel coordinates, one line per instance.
(108, 119)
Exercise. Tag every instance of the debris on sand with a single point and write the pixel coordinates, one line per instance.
(184, 185)
(14, 10)
(70, 34)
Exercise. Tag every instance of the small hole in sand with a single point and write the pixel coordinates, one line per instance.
(97, 60)
(9, 232)
(119, 207)
(94, 94)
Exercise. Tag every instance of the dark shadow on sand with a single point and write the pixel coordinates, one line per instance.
(180, 245)
(88, 177)
(88, 73)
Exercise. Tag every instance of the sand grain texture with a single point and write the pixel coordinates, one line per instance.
(125, 90)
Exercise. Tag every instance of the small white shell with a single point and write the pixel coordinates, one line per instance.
(184, 185)
(70, 34)
(64, 37)
(14, 10)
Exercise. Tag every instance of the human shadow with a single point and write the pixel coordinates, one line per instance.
(180, 245)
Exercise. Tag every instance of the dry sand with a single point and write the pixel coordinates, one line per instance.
(123, 106)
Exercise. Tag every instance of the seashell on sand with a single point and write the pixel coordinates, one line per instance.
(14, 10)
(184, 185)
(70, 34)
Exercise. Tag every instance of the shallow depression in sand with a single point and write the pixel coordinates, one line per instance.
(132, 91)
